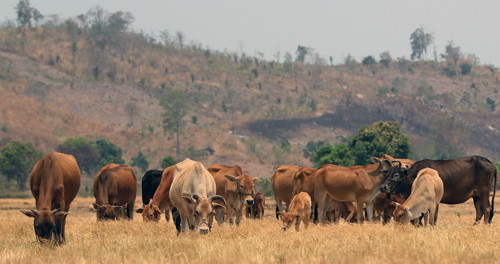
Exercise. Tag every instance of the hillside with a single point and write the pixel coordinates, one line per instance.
(56, 82)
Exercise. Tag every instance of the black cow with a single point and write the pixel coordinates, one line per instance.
(463, 178)
(150, 182)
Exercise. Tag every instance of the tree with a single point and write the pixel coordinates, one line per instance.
(110, 153)
(301, 53)
(140, 161)
(85, 153)
(175, 106)
(448, 138)
(370, 141)
(168, 161)
(287, 63)
(17, 160)
(452, 53)
(419, 43)
(27, 15)
(369, 60)
(131, 109)
(385, 58)
(312, 147)
(180, 38)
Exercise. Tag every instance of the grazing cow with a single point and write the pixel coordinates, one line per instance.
(426, 193)
(463, 178)
(193, 194)
(115, 188)
(300, 210)
(54, 182)
(161, 199)
(236, 187)
(256, 210)
(358, 183)
(282, 184)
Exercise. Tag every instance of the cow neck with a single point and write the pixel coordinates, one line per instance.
(50, 186)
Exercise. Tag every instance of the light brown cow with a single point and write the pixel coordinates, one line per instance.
(236, 187)
(282, 184)
(161, 198)
(426, 193)
(300, 210)
(115, 189)
(383, 207)
(193, 194)
(54, 182)
(360, 184)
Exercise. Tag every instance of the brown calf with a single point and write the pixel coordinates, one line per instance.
(300, 210)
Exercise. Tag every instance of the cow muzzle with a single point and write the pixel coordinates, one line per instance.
(383, 188)
(249, 201)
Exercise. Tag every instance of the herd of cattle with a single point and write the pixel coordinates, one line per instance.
(390, 187)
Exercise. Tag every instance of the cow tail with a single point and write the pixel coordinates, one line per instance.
(493, 198)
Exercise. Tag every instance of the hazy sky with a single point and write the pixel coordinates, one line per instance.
(332, 28)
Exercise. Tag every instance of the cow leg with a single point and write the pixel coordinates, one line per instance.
(130, 210)
(167, 214)
(238, 215)
(321, 200)
(359, 210)
(230, 217)
(252, 211)
(279, 208)
(485, 206)
(436, 214)
(432, 213)
(479, 209)
(369, 212)
(297, 224)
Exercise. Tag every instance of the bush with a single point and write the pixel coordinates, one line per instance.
(368, 61)
(465, 68)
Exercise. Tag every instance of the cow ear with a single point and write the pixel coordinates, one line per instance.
(31, 213)
(96, 206)
(60, 214)
(375, 160)
(217, 206)
(231, 177)
(156, 209)
(395, 204)
(140, 210)
(218, 198)
(188, 199)
(255, 179)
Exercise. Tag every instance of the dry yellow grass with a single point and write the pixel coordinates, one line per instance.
(454, 240)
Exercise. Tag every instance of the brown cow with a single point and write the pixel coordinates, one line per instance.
(300, 210)
(161, 198)
(115, 189)
(383, 207)
(282, 184)
(426, 193)
(54, 182)
(236, 187)
(358, 183)
(256, 210)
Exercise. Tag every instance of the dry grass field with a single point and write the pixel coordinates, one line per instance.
(454, 240)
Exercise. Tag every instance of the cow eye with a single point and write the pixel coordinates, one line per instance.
(196, 212)
(241, 186)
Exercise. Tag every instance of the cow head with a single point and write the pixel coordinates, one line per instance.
(109, 212)
(402, 214)
(288, 219)
(204, 210)
(244, 187)
(150, 213)
(394, 177)
(45, 222)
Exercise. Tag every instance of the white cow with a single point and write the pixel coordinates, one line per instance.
(192, 193)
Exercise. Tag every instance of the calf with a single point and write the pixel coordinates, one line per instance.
(160, 199)
(426, 193)
(256, 210)
(300, 210)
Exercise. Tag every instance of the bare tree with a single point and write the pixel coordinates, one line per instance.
(131, 109)
(180, 38)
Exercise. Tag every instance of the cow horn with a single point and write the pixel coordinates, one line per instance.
(56, 210)
(219, 198)
(399, 162)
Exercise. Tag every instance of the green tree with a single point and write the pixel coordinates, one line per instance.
(17, 160)
(301, 53)
(175, 106)
(370, 141)
(385, 58)
(339, 154)
(168, 161)
(85, 153)
(312, 147)
(26, 14)
(419, 43)
(452, 53)
(109, 152)
(378, 139)
(369, 60)
(264, 186)
(140, 161)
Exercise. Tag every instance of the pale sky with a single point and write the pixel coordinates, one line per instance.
(332, 28)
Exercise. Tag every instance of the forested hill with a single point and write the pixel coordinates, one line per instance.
(93, 77)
